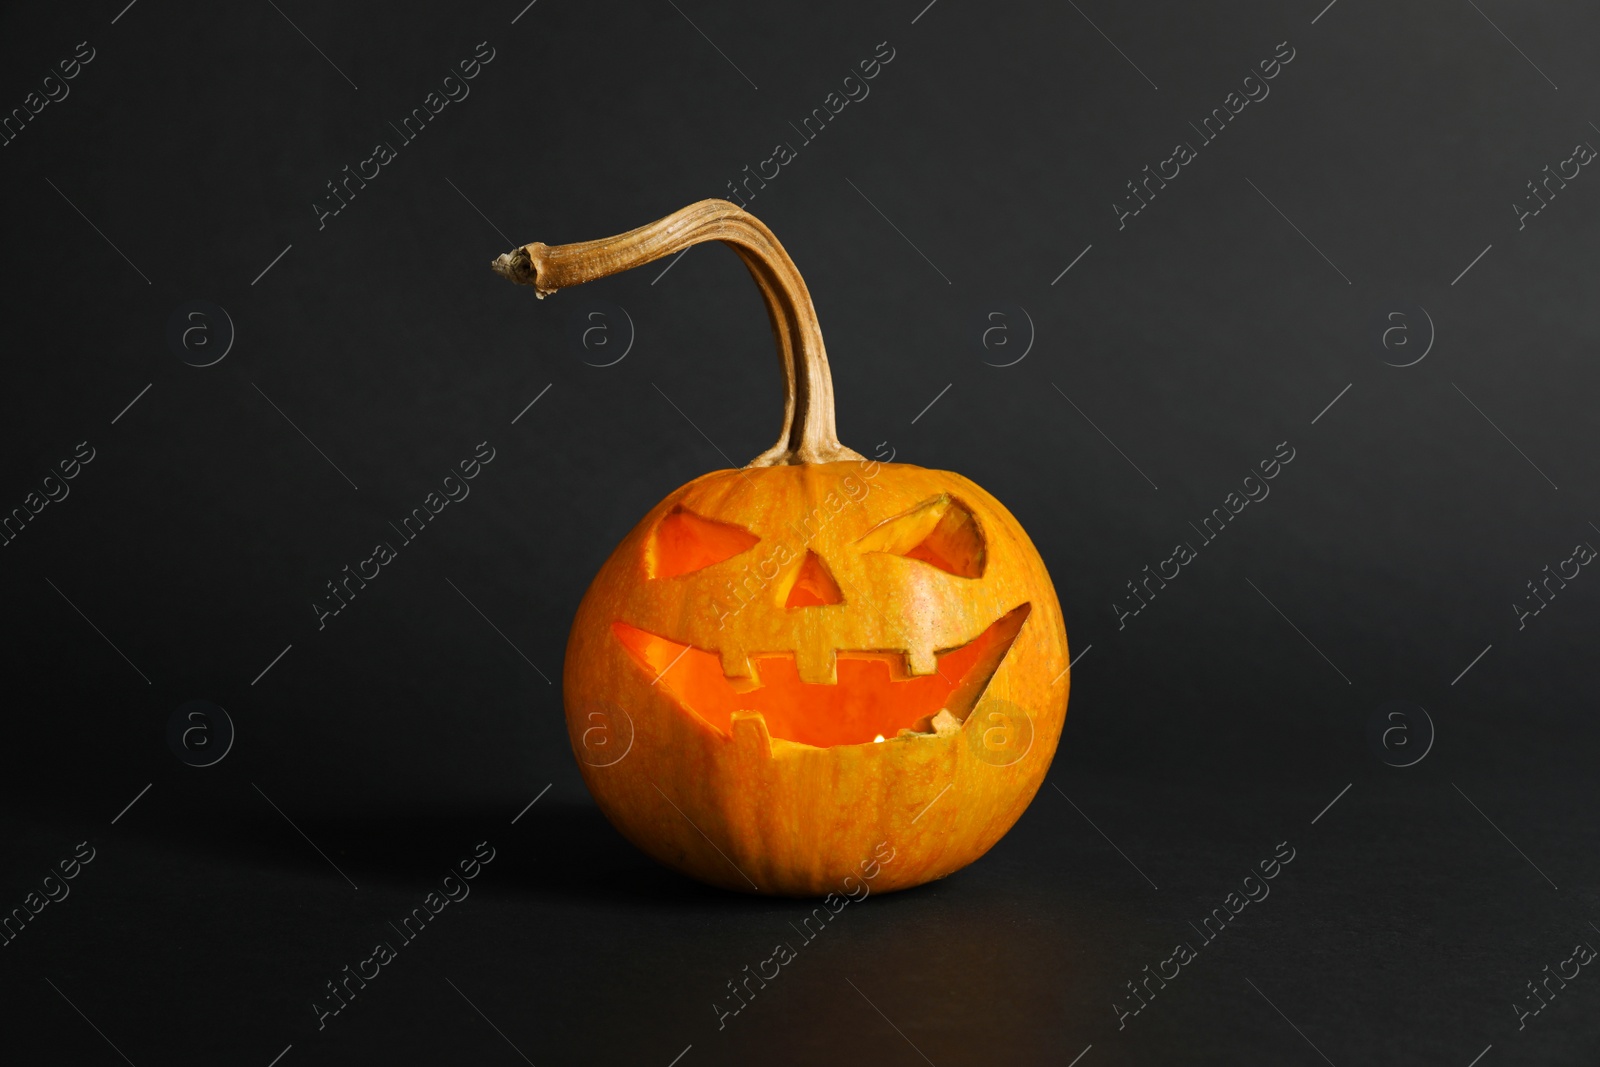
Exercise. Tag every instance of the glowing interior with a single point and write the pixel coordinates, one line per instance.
(684, 542)
(873, 699)
(813, 587)
(941, 531)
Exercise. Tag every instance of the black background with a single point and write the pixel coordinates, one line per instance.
(1219, 721)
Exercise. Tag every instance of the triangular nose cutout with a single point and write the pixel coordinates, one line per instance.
(813, 587)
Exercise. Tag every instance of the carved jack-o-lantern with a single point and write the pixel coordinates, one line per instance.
(817, 665)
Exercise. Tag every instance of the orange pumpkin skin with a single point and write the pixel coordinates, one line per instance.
(731, 797)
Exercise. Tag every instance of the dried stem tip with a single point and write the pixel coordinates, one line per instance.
(808, 423)
(517, 267)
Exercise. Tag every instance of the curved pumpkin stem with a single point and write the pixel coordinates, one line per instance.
(809, 434)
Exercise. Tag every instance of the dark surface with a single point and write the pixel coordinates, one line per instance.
(1218, 722)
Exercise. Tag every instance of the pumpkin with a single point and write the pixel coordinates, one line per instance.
(819, 671)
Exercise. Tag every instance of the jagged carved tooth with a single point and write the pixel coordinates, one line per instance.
(742, 686)
(817, 666)
(922, 661)
(736, 665)
(749, 730)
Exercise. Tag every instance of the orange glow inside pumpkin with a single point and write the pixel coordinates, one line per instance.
(684, 542)
(942, 532)
(813, 587)
(873, 698)
(954, 545)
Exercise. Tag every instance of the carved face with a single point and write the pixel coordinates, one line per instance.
(815, 661)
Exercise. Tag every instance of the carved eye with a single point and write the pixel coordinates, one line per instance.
(940, 531)
(683, 542)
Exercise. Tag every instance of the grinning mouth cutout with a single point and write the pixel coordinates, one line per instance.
(874, 699)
